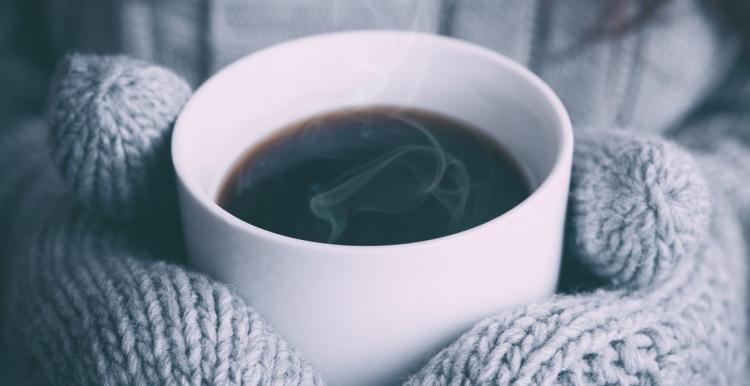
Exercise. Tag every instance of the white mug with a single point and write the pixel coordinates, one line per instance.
(374, 314)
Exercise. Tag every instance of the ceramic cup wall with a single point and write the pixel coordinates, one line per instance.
(373, 314)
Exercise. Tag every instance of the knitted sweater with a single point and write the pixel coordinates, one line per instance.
(95, 301)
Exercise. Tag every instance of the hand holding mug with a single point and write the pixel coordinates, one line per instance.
(212, 336)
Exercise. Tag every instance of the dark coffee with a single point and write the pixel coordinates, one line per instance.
(373, 176)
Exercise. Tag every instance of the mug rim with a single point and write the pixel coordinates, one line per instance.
(563, 126)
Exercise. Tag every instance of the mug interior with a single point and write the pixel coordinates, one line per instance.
(272, 88)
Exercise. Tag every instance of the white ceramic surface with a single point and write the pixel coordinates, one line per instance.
(373, 314)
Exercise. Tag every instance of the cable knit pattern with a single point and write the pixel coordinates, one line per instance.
(110, 120)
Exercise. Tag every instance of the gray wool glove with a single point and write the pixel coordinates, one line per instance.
(99, 295)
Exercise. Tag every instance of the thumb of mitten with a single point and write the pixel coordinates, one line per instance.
(638, 205)
(110, 120)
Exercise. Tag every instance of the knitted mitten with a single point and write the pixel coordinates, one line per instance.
(94, 302)
(673, 310)
(96, 295)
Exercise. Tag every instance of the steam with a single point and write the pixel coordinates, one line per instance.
(424, 171)
(379, 75)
